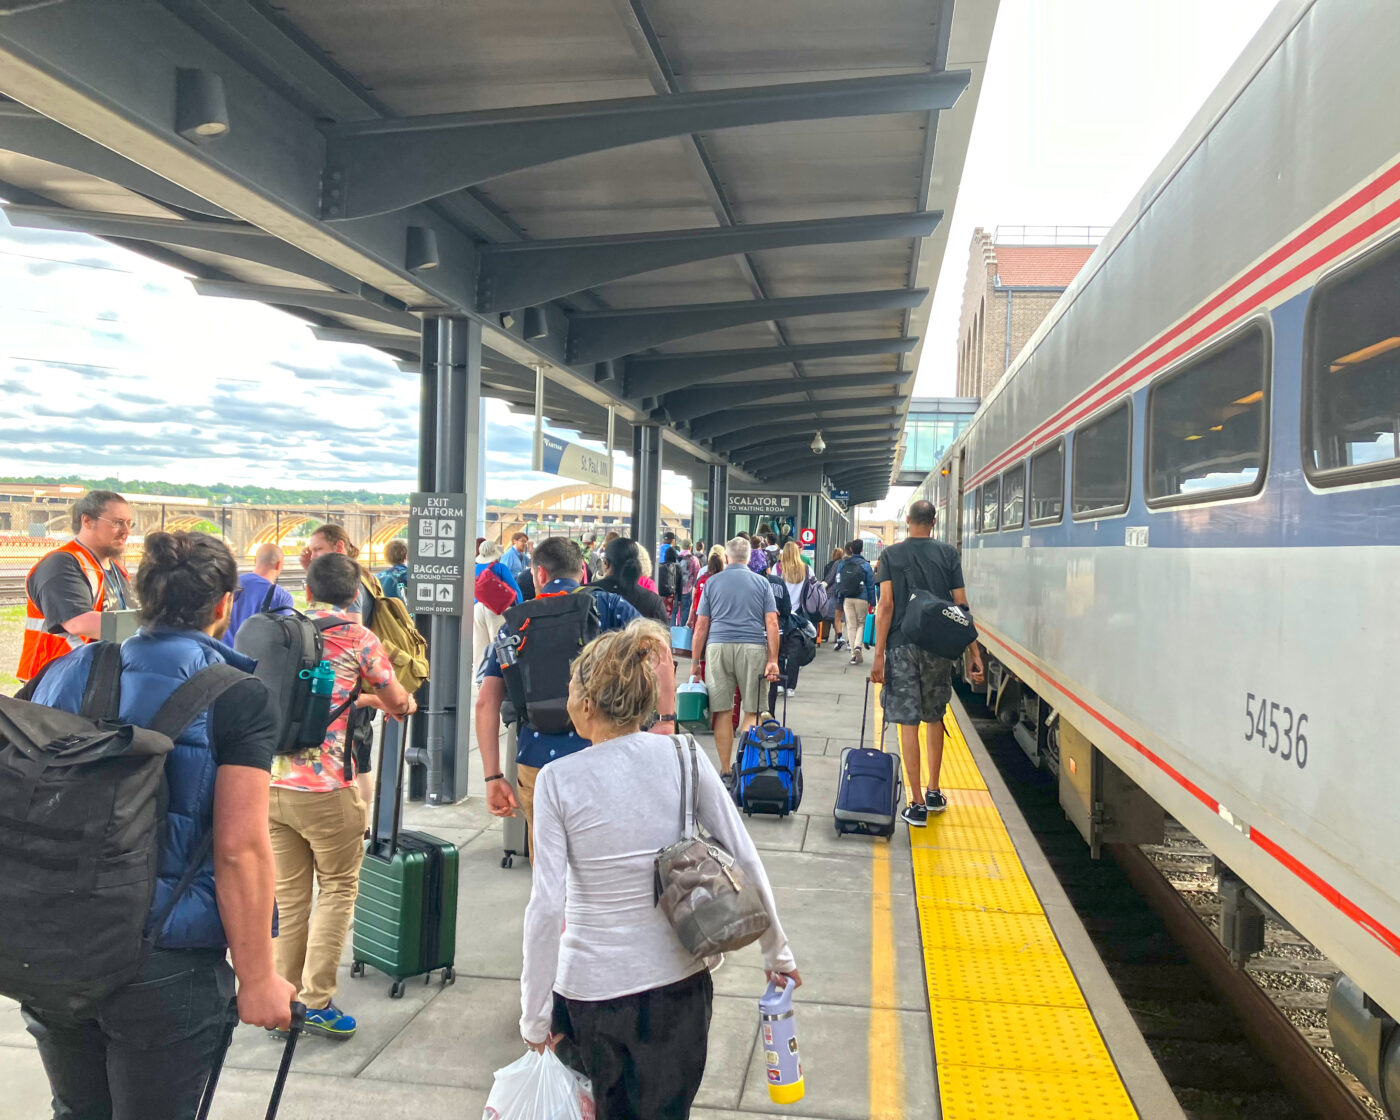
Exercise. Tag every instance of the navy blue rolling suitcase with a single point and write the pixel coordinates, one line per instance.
(870, 789)
(768, 770)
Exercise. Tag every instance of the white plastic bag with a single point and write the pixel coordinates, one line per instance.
(539, 1087)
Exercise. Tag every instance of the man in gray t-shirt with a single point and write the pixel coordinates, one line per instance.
(737, 626)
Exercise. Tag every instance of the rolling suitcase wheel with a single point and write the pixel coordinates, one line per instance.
(357, 970)
(396, 989)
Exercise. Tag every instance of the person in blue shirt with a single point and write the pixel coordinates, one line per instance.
(854, 608)
(258, 590)
(395, 580)
(558, 568)
(517, 557)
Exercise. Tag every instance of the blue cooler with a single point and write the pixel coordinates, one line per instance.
(682, 639)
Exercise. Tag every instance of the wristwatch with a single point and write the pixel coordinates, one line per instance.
(668, 718)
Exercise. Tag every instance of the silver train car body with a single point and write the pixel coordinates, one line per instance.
(1227, 631)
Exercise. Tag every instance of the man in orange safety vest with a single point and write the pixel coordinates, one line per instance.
(67, 591)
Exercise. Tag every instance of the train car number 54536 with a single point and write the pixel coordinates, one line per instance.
(1279, 731)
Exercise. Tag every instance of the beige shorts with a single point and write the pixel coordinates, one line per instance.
(731, 664)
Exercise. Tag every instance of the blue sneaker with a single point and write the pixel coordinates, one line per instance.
(330, 1021)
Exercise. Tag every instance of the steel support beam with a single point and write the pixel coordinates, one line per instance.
(458, 420)
(719, 504)
(399, 343)
(417, 755)
(373, 167)
(597, 336)
(525, 273)
(28, 133)
(646, 486)
(764, 460)
(718, 424)
(232, 239)
(688, 404)
(336, 303)
(650, 375)
(761, 435)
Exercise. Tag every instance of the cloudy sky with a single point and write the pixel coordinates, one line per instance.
(111, 365)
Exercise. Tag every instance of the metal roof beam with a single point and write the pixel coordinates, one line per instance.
(801, 429)
(691, 403)
(650, 375)
(401, 343)
(525, 273)
(232, 239)
(335, 303)
(596, 336)
(760, 462)
(375, 167)
(739, 445)
(28, 133)
(735, 420)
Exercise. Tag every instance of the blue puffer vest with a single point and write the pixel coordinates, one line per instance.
(154, 663)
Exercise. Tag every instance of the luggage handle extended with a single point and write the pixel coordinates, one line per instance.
(206, 1100)
(379, 844)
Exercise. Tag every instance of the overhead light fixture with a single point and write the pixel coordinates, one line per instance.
(818, 444)
(201, 109)
(508, 319)
(421, 249)
(1356, 357)
(1218, 428)
(1253, 398)
(536, 323)
(1190, 438)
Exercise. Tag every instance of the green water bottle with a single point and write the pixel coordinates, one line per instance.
(318, 704)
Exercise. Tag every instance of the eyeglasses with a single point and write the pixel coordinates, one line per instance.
(236, 592)
(118, 522)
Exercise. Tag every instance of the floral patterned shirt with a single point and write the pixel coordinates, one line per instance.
(358, 659)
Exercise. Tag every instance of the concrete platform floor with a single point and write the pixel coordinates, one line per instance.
(847, 905)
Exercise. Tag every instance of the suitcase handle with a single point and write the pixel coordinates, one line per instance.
(298, 1023)
(394, 734)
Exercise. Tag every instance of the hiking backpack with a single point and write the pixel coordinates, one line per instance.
(541, 638)
(668, 579)
(82, 812)
(850, 579)
(390, 622)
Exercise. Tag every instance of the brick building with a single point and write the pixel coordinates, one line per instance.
(1014, 277)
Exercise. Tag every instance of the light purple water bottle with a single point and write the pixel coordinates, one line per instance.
(780, 1043)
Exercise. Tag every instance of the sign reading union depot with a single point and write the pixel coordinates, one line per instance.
(775, 504)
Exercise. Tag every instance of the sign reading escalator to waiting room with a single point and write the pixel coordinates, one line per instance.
(438, 553)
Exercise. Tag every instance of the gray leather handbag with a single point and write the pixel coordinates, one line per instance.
(700, 888)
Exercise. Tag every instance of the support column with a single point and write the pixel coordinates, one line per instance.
(427, 480)
(646, 486)
(718, 527)
(450, 688)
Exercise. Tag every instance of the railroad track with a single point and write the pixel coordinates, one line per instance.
(1233, 1044)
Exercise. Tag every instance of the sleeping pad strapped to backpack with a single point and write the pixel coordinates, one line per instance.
(541, 639)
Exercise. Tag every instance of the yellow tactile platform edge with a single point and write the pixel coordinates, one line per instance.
(1012, 1034)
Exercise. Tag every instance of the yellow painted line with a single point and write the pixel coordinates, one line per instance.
(1012, 1034)
(885, 1074)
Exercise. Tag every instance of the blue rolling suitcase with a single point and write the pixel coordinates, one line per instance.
(870, 789)
(768, 770)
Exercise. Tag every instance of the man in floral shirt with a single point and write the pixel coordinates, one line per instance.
(317, 815)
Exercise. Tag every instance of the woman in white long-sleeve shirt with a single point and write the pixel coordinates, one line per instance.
(603, 967)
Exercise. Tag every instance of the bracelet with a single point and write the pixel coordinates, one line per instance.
(671, 718)
(495, 777)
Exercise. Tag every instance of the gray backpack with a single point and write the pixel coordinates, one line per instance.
(700, 888)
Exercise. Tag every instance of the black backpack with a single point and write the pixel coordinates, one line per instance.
(542, 636)
(287, 647)
(850, 579)
(82, 808)
(936, 625)
(798, 644)
(668, 579)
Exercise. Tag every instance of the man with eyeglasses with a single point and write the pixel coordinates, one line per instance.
(69, 588)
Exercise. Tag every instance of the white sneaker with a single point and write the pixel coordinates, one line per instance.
(792, 692)
(781, 691)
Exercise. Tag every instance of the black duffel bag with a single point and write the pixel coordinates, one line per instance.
(798, 643)
(936, 625)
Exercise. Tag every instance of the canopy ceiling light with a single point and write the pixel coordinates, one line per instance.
(818, 444)
(201, 109)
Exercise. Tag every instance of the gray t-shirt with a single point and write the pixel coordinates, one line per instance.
(735, 602)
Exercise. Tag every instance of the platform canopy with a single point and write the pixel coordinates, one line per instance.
(721, 216)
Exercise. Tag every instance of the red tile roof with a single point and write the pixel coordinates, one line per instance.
(1040, 266)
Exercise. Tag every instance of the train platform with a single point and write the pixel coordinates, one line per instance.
(948, 977)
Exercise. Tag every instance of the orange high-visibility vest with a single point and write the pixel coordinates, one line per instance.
(41, 647)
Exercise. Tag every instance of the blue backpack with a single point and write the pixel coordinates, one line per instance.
(768, 770)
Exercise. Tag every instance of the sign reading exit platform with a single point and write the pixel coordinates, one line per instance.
(438, 553)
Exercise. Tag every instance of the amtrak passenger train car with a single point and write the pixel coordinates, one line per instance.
(1179, 511)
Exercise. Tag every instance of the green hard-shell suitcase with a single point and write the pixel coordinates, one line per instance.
(406, 912)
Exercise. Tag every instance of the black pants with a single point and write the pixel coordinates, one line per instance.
(644, 1053)
(144, 1052)
(787, 677)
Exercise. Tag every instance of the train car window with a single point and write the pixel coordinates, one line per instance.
(1102, 468)
(1207, 424)
(1048, 485)
(1013, 498)
(991, 502)
(1351, 373)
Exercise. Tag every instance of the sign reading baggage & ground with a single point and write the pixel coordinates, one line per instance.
(572, 460)
(439, 550)
(762, 503)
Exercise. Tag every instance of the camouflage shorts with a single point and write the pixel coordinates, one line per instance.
(918, 685)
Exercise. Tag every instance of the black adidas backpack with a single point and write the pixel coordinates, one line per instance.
(542, 636)
(82, 812)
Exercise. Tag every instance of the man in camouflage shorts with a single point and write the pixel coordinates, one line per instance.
(917, 684)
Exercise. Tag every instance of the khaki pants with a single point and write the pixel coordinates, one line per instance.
(320, 834)
(855, 611)
(525, 778)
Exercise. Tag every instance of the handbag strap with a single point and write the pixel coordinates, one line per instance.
(690, 798)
